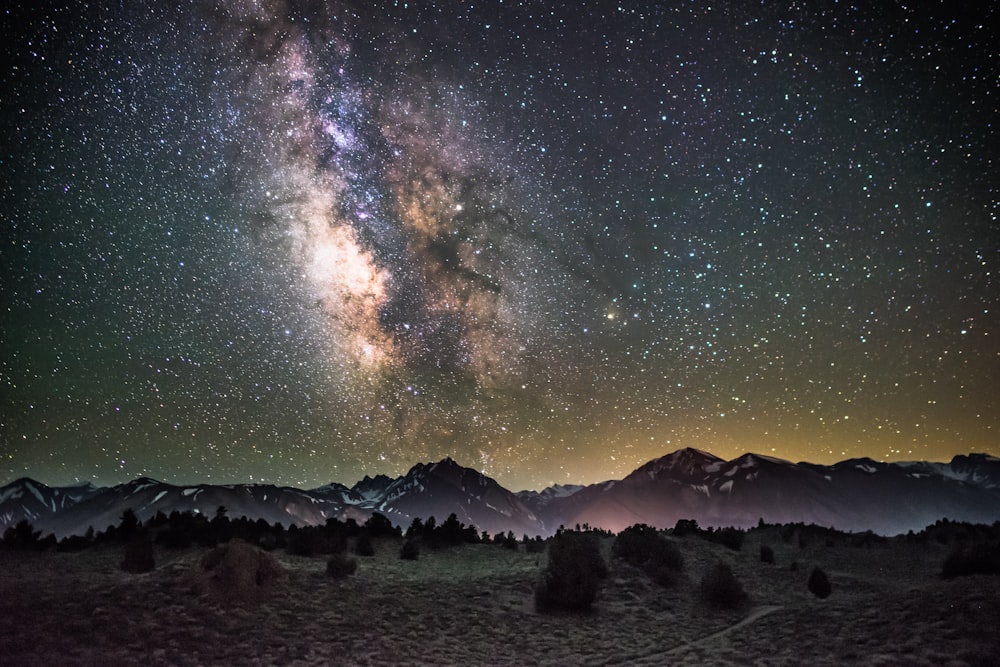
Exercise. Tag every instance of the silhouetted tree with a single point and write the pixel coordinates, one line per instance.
(379, 526)
(510, 542)
(416, 528)
(221, 526)
(73, 543)
(451, 532)
(22, 535)
(535, 545)
(430, 525)
(685, 527)
(128, 525)
(644, 547)
(575, 569)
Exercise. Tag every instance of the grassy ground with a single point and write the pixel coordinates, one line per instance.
(473, 605)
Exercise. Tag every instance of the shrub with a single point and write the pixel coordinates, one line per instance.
(644, 547)
(236, 573)
(410, 550)
(819, 584)
(139, 553)
(731, 538)
(340, 566)
(720, 587)
(364, 546)
(635, 544)
(573, 575)
(967, 559)
(766, 554)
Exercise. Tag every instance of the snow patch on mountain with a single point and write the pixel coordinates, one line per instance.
(35, 492)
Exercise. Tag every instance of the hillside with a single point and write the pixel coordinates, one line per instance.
(473, 605)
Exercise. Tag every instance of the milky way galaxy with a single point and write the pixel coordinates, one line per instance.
(301, 242)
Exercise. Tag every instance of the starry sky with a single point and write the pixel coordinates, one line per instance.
(300, 241)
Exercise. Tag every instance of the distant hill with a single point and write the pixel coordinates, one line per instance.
(853, 495)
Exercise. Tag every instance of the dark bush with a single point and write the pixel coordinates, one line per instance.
(635, 544)
(731, 538)
(139, 553)
(410, 550)
(364, 546)
(644, 547)
(720, 588)
(573, 574)
(819, 584)
(340, 566)
(535, 545)
(766, 554)
(968, 559)
(685, 527)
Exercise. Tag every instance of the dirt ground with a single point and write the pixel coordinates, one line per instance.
(473, 606)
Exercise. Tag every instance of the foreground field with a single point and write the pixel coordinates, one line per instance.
(473, 605)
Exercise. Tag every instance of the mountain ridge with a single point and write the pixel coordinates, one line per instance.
(854, 494)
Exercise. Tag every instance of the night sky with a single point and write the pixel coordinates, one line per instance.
(300, 242)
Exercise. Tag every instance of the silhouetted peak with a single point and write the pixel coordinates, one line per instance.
(683, 462)
(23, 481)
(143, 481)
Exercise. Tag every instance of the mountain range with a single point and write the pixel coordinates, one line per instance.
(853, 495)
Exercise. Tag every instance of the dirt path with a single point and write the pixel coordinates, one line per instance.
(658, 657)
(756, 614)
